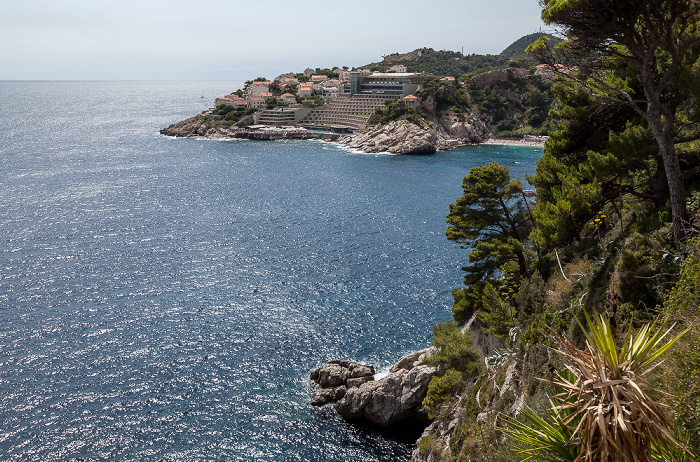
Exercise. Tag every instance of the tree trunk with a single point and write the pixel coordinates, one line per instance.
(676, 189)
(660, 191)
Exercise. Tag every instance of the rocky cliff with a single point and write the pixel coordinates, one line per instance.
(451, 117)
(440, 130)
(399, 137)
(396, 398)
(467, 425)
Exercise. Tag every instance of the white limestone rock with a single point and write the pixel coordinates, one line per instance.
(395, 398)
(399, 137)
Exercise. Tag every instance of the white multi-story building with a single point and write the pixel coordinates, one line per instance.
(257, 88)
(256, 102)
(288, 98)
(330, 92)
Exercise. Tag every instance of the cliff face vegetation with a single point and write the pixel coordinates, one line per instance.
(507, 102)
(589, 284)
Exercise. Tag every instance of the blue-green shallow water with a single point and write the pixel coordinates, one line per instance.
(166, 299)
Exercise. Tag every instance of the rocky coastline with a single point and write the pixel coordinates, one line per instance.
(201, 127)
(398, 137)
(397, 399)
(358, 397)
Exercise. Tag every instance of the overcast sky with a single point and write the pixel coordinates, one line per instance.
(238, 40)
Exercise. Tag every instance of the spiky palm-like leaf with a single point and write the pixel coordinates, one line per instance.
(602, 412)
(616, 419)
(542, 439)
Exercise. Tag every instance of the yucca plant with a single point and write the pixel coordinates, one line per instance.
(602, 403)
(542, 439)
(548, 439)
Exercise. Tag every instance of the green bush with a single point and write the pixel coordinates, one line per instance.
(681, 372)
(455, 350)
(395, 110)
(441, 390)
(425, 444)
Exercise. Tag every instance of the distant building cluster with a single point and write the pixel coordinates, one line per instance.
(296, 89)
(345, 99)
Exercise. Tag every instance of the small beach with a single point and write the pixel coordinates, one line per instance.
(514, 141)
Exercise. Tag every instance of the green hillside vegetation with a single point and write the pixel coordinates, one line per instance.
(395, 110)
(231, 115)
(593, 266)
(453, 63)
(516, 107)
(513, 108)
(517, 49)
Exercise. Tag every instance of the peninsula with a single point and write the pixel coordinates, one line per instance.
(388, 109)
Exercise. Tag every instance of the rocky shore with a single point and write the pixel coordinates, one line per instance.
(398, 137)
(199, 126)
(358, 397)
(535, 142)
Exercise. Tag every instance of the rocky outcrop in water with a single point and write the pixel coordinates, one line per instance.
(199, 126)
(398, 137)
(395, 398)
(335, 377)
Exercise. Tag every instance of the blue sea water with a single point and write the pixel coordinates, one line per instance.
(166, 299)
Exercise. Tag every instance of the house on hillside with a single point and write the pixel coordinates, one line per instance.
(258, 87)
(288, 98)
(256, 102)
(330, 92)
(305, 90)
(343, 75)
(223, 100)
(547, 72)
(283, 77)
(308, 72)
(398, 68)
(411, 100)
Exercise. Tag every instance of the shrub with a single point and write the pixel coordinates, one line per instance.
(681, 372)
(455, 350)
(441, 390)
(425, 444)
(602, 412)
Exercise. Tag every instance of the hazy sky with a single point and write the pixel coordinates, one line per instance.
(236, 40)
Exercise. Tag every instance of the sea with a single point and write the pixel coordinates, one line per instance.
(166, 299)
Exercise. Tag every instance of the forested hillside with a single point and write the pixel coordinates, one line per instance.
(589, 284)
(509, 104)
(453, 63)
